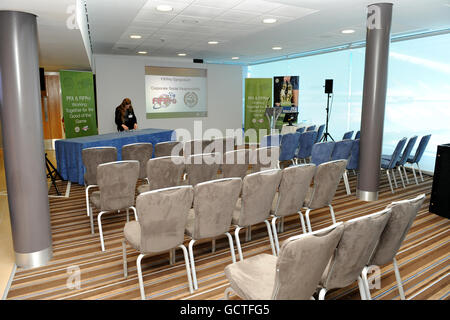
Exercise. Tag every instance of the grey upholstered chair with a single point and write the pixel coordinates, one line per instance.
(162, 218)
(117, 183)
(258, 191)
(235, 163)
(293, 275)
(163, 172)
(359, 239)
(214, 203)
(294, 185)
(202, 167)
(169, 148)
(265, 158)
(141, 152)
(402, 217)
(326, 181)
(220, 145)
(91, 158)
(192, 147)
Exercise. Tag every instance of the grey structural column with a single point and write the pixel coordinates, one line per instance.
(23, 143)
(379, 19)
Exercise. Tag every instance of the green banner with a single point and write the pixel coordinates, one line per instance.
(78, 103)
(258, 95)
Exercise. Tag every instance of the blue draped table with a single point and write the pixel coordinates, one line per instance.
(68, 151)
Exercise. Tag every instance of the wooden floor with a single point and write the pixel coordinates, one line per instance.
(423, 258)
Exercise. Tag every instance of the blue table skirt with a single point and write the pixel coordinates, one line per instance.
(68, 151)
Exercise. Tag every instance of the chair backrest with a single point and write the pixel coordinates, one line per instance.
(421, 148)
(192, 147)
(320, 132)
(300, 130)
(141, 152)
(306, 143)
(358, 241)
(342, 150)
(358, 134)
(220, 145)
(235, 163)
(353, 162)
(202, 167)
(164, 172)
(117, 183)
(402, 217)
(214, 204)
(321, 152)
(92, 157)
(326, 181)
(347, 135)
(258, 191)
(289, 146)
(162, 217)
(294, 186)
(311, 128)
(407, 151)
(265, 158)
(273, 140)
(396, 154)
(301, 263)
(165, 149)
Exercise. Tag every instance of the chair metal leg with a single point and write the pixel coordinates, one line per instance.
(399, 280)
(188, 269)
(332, 213)
(213, 245)
(91, 218)
(230, 242)
(362, 289)
(248, 233)
(401, 176)
(128, 215)
(227, 293)
(414, 173)
(275, 235)
(395, 179)
(87, 200)
(269, 231)
(191, 256)
(365, 284)
(139, 272)
(238, 242)
(389, 179)
(124, 256)
(135, 213)
(420, 172)
(406, 175)
(100, 229)
(322, 293)
(308, 222)
(172, 256)
(302, 221)
(347, 186)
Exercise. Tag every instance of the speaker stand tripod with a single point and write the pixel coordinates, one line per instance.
(326, 135)
(52, 173)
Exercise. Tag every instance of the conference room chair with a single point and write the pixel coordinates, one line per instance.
(235, 163)
(347, 135)
(192, 147)
(404, 156)
(265, 158)
(321, 152)
(342, 150)
(358, 134)
(168, 148)
(163, 172)
(255, 203)
(117, 183)
(320, 133)
(294, 186)
(300, 130)
(311, 128)
(326, 180)
(214, 203)
(202, 167)
(400, 221)
(353, 162)
(390, 162)
(306, 143)
(293, 275)
(141, 152)
(91, 158)
(358, 240)
(220, 145)
(418, 155)
(289, 147)
(273, 140)
(162, 219)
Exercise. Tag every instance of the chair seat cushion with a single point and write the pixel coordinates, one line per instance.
(144, 188)
(132, 233)
(190, 223)
(385, 163)
(410, 159)
(95, 199)
(254, 277)
(237, 212)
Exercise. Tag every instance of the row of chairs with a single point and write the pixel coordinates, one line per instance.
(330, 258)
(401, 156)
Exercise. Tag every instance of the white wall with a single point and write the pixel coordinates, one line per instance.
(120, 77)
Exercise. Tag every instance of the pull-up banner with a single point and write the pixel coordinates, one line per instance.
(258, 93)
(78, 103)
(285, 94)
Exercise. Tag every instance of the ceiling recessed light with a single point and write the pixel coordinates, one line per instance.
(142, 52)
(213, 42)
(135, 36)
(164, 8)
(182, 54)
(277, 48)
(348, 31)
(269, 20)
(235, 58)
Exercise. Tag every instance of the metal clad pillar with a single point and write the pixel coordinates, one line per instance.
(23, 142)
(379, 19)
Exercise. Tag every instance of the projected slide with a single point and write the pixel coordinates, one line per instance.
(175, 92)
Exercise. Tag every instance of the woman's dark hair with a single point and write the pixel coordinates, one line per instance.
(122, 108)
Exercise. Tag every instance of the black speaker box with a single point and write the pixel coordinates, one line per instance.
(329, 86)
(198, 60)
(440, 192)
(42, 79)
